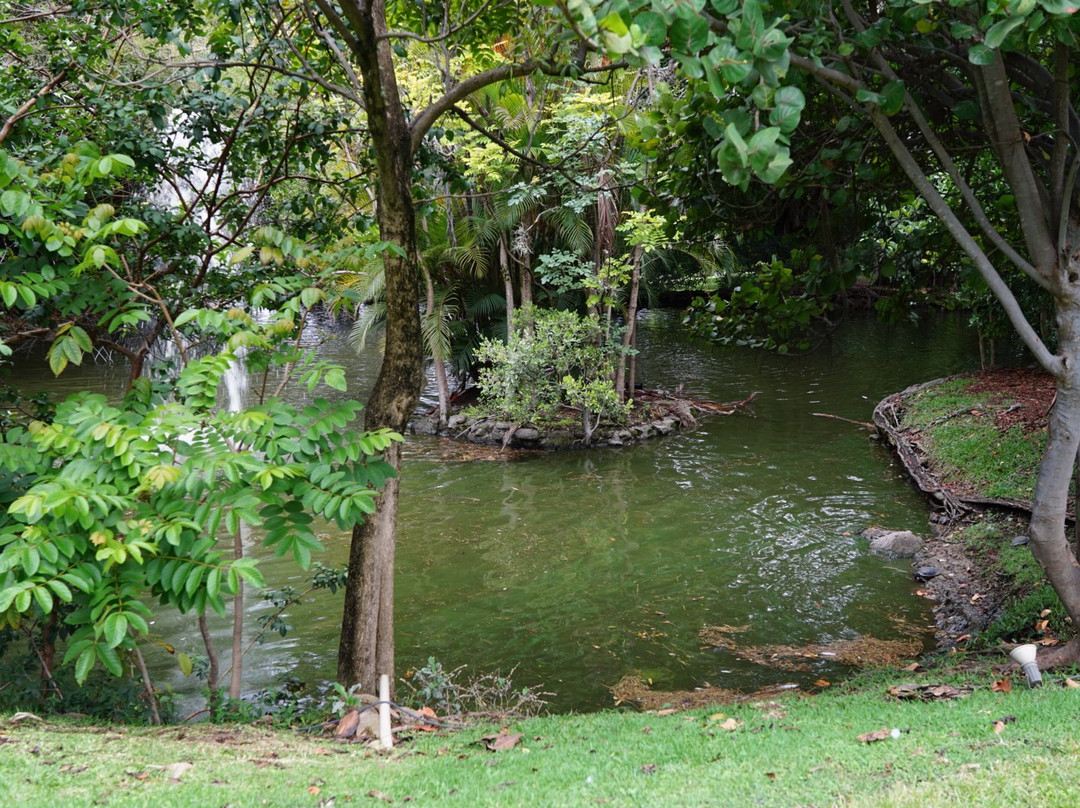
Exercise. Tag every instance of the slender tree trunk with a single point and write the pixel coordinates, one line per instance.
(624, 389)
(508, 283)
(148, 684)
(367, 640)
(1049, 542)
(213, 675)
(236, 671)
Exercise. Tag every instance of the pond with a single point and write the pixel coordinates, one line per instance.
(580, 567)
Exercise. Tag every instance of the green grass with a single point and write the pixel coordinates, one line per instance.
(939, 400)
(956, 429)
(795, 752)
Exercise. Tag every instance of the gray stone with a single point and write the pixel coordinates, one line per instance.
(897, 544)
(527, 433)
(1020, 541)
(454, 421)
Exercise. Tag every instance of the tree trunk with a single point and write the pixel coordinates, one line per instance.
(624, 383)
(366, 649)
(1049, 541)
(508, 284)
(213, 675)
(236, 673)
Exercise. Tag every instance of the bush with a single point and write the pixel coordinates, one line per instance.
(553, 359)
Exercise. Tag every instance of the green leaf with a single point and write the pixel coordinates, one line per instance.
(653, 28)
(980, 55)
(185, 663)
(788, 104)
(44, 599)
(688, 35)
(115, 629)
(893, 94)
(110, 659)
(1000, 31)
(84, 664)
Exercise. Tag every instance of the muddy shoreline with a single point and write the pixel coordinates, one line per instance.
(967, 595)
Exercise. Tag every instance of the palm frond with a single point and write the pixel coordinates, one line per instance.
(371, 319)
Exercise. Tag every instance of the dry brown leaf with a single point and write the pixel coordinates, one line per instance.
(1040, 625)
(502, 741)
(347, 724)
(876, 735)
(732, 724)
(313, 790)
(1071, 682)
(822, 683)
(379, 795)
(913, 667)
(1046, 612)
(1002, 686)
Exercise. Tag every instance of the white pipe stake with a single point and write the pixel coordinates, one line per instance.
(386, 738)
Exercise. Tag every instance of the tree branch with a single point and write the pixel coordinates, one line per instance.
(24, 110)
(1052, 364)
(426, 119)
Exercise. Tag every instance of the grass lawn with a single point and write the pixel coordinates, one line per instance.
(796, 751)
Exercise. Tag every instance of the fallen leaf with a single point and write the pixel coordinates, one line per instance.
(1040, 625)
(379, 795)
(1002, 686)
(1071, 682)
(913, 667)
(717, 717)
(822, 683)
(876, 735)
(1046, 612)
(976, 597)
(313, 790)
(649, 768)
(347, 724)
(928, 692)
(771, 775)
(502, 741)
(963, 638)
(732, 724)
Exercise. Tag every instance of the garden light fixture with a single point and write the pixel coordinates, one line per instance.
(1024, 655)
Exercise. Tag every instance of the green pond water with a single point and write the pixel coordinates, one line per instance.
(580, 567)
